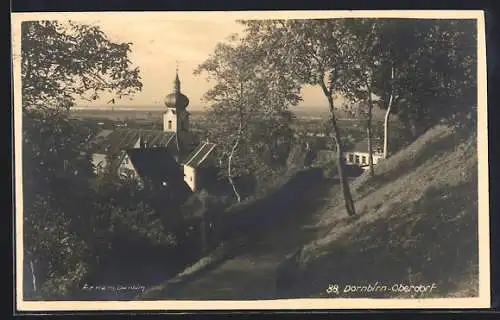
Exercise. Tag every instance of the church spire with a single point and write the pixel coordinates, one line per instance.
(177, 82)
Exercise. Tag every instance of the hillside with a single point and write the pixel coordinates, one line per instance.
(416, 223)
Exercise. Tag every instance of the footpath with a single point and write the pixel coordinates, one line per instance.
(251, 272)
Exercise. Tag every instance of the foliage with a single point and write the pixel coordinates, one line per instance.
(249, 104)
(63, 224)
(435, 71)
(434, 63)
(61, 61)
(308, 52)
(55, 178)
(330, 169)
(126, 208)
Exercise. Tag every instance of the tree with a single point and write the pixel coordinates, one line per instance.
(249, 106)
(313, 52)
(230, 68)
(60, 62)
(387, 115)
(357, 81)
(427, 71)
(55, 177)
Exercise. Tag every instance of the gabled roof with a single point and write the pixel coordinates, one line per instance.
(156, 165)
(199, 154)
(362, 146)
(122, 139)
(103, 133)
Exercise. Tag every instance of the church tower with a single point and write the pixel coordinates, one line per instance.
(175, 117)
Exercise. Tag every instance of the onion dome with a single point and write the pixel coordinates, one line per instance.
(176, 99)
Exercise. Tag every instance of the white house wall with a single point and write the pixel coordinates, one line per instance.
(376, 158)
(190, 177)
(99, 162)
(126, 165)
(137, 144)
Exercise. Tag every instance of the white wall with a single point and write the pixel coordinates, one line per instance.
(170, 115)
(99, 160)
(126, 165)
(137, 144)
(376, 157)
(190, 177)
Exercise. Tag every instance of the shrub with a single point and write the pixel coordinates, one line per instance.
(330, 169)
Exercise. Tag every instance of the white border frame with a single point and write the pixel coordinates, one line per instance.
(483, 301)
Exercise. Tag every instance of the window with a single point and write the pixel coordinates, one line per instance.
(351, 158)
(191, 178)
(357, 159)
(363, 160)
(170, 124)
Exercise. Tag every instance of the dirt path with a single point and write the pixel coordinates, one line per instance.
(250, 274)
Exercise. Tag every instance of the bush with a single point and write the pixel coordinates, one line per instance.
(201, 202)
(330, 169)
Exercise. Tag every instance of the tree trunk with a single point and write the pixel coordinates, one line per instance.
(370, 149)
(33, 276)
(344, 184)
(369, 131)
(386, 120)
(229, 166)
(386, 130)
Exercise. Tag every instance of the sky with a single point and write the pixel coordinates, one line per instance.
(158, 45)
(161, 38)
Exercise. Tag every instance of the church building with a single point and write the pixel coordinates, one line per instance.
(165, 158)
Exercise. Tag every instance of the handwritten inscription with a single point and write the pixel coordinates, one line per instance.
(113, 288)
(335, 289)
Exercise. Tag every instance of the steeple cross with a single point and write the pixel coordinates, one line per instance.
(177, 65)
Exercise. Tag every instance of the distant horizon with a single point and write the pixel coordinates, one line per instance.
(156, 107)
(301, 110)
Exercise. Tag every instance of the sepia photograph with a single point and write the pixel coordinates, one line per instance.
(250, 160)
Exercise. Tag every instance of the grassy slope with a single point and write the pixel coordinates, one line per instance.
(416, 223)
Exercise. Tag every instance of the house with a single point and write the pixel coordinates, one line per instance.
(158, 168)
(160, 157)
(358, 155)
(110, 152)
(198, 166)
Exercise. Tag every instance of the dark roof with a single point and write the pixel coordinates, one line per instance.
(199, 154)
(362, 146)
(118, 142)
(158, 166)
(182, 145)
(103, 134)
(122, 139)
